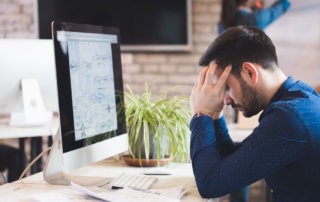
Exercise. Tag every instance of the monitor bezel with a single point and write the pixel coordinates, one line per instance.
(79, 153)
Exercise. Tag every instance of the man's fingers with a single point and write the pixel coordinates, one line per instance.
(223, 77)
(202, 76)
(206, 76)
(210, 74)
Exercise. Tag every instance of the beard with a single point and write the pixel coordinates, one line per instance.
(250, 104)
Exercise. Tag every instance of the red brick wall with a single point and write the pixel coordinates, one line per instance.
(296, 36)
(167, 69)
(17, 19)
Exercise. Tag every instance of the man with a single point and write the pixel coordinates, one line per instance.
(241, 70)
(253, 13)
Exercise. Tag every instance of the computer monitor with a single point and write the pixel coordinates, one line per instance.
(26, 59)
(90, 94)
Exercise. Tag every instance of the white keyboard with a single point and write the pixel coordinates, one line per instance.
(135, 181)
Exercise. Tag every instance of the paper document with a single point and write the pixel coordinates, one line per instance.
(54, 196)
(174, 192)
(128, 194)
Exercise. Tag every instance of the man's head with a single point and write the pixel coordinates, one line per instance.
(241, 44)
(251, 53)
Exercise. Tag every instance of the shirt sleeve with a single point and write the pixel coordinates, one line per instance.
(214, 132)
(266, 16)
(224, 142)
(270, 146)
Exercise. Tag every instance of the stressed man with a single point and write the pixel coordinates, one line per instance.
(240, 68)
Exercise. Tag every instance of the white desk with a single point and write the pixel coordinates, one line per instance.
(7, 131)
(33, 185)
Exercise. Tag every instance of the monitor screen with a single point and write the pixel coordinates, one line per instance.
(145, 25)
(90, 93)
(26, 59)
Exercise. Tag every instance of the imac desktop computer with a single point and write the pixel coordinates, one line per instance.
(28, 81)
(90, 94)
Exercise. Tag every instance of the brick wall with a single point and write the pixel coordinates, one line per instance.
(166, 69)
(17, 19)
(175, 69)
(180, 69)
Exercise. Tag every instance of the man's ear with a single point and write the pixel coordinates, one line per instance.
(249, 72)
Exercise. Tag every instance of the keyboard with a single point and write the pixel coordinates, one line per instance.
(135, 181)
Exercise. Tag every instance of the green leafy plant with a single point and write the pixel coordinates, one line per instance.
(163, 122)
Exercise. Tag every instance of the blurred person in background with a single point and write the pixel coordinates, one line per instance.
(250, 12)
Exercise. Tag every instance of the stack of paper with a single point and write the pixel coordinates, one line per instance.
(129, 194)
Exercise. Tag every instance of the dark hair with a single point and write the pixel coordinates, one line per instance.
(228, 12)
(241, 44)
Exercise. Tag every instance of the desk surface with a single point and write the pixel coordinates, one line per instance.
(34, 185)
(7, 131)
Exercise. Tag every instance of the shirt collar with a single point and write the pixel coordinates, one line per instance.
(278, 95)
(285, 86)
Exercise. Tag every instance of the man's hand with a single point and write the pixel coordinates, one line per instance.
(207, 96)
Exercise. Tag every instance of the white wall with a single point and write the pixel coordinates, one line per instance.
(297, 38)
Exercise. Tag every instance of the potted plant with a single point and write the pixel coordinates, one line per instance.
(158, 127)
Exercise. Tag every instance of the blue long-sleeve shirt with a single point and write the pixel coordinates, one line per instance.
(284, 149)
(260, 17)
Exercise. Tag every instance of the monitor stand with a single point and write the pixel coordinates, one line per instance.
(34, 113)
(53, 170)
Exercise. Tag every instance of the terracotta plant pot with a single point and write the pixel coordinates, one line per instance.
(129, 160)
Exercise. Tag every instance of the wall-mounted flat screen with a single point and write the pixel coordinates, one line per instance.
(145, 25)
